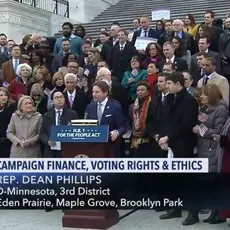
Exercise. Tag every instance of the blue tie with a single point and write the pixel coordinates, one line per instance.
(16, 65)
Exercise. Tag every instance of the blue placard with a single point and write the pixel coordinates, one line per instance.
(83, 133)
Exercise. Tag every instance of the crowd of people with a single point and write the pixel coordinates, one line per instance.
(174, 93)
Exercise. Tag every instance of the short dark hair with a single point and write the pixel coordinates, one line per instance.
(104, 33)
(115, 23)
(144, 83)
(68, 24)
(210, 12)
(164, 75)
(56, 91)
(211, 59)
(176, 77)
(15, 45)
(11, 40)
(207, 39)
(87, 42)
(65, 40)
(3, 35)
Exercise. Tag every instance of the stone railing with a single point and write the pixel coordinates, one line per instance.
(60, 7)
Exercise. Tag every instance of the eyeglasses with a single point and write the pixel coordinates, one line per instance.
(36, 95)
(73, 67)
(58, 97)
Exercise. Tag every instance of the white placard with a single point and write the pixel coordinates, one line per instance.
(130, 36)
(142, 42)
(57, 146)
(161, 14)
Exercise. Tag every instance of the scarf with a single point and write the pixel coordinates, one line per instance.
(152, 80)
(139, 118)
(219, 150)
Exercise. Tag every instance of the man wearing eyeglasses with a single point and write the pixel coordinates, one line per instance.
(58, 115)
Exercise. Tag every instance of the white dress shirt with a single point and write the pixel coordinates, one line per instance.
(143, 33)
(73, 94)
(170, 60)
(56, 115)
(15, 63)
(123, 46)
(103, 104)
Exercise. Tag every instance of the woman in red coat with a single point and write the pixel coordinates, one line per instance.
(19, 86)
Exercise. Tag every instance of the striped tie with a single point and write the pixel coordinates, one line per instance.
(59, 117)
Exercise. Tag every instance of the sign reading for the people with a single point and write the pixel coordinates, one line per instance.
(161, 14)
(83, 133)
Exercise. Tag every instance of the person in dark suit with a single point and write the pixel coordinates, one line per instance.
(198, 73)
(75, 98)
(156, 124)
(7, 108)
(178, 63)
(58, 115)
(107, 112)
(203, 45)
(158, 111)
(121, 55)
(145, 30)
(178, 134)
(57, 60)
(209, 20)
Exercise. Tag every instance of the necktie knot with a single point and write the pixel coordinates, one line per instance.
(122, 47)
(205, 80)
(146, 33)
(163, 99)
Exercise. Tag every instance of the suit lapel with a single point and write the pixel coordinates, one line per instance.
(106, 109)
(212, 80)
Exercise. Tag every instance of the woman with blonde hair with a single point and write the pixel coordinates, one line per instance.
(23, 130)
(41, 76)
(58, 84)
(7, 108)
(19, 85)
(39, 98)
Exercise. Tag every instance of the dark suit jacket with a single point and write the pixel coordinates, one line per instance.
(57, 62)
(152, 34)
(178, 64)
(120, 60)
(112, 115)
(47, 122)
(157, 115)
(8, 73)
(183, 117)
(120, 94)
(81, 100)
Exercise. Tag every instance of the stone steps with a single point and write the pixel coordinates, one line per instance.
(125, 10)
